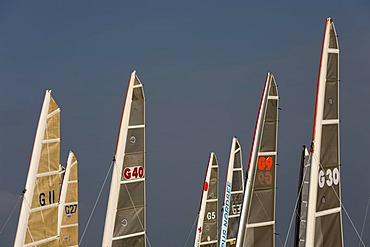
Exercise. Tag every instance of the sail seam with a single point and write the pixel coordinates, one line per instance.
(136, 126)
(327, 212)
(132, 181)
(265, 223)
(44, 174)
(47, 141)
(43, 207)
(129, 236)
(51, 114)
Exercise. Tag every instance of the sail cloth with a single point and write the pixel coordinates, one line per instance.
(68, 204)
(257, 223)
(324, 217)
(233, 198)
(38, 221)
(207, 227)
(126, 214)
(303, 189)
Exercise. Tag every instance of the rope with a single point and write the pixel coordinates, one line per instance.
(11, 214)
(363, 224)
(191, 230)
(96, 202)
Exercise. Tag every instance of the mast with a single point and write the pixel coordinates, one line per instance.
(38, 220)
(257, 222)
(68, 204)
(207, 227)
(125, 222)
(324, 216)
(233, 196)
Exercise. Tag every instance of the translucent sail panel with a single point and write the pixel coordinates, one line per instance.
(258, 213)
(69, 204)
(42, 219)
(127, 203)
(207, 227)
(233, 197)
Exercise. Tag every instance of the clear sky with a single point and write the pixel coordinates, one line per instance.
(203, 66)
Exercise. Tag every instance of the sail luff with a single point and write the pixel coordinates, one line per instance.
(117, 167)
(31, 178)
(207, 226)
(325, 169)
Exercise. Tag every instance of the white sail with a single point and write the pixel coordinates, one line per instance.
(38, 221)
(125, 218)
(257, 221)
(324, 215)
(233, 198)
(68, 205)
(207, 227)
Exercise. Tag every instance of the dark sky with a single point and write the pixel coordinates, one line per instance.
(203, 66)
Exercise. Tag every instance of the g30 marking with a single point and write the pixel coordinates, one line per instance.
(329, 177)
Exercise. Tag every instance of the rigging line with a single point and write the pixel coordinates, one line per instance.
(278, 237)
(11, 214)
(363, 224)
(191, 230)
(344, 209)
(296, 204)
(96, 202)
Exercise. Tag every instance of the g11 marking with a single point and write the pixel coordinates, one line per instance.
(133, 172)
(329, 177)
(47, 198)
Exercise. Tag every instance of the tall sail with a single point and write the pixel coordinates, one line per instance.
(301, 210)
(324, 215)
(68, 204)
(38, 220)
(233, 198)
(257, 222)
(125, 218)
(207, 227)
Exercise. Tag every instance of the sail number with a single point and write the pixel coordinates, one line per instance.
(264, 166)
(237, 208)
(70, 209)
(47, 198)
(328, 177)
(133, 172)
(264, 163)
(211, 215)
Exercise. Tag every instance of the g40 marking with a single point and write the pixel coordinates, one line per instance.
(133, 172)
(329, 177)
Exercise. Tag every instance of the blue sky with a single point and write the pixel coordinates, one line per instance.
(203, 66)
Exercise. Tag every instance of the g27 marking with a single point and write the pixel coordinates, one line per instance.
(70, 209)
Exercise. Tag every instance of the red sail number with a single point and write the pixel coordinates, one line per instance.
(264, 163)
(133, 172)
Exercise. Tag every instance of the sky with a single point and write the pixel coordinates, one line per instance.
(203, 66)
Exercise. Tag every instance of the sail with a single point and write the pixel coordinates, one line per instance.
(301, 211)
(257, 222)
(324, 216)
(207, 227)
(38, 220)
(233, 198)
(125, 218)
(68, 204)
